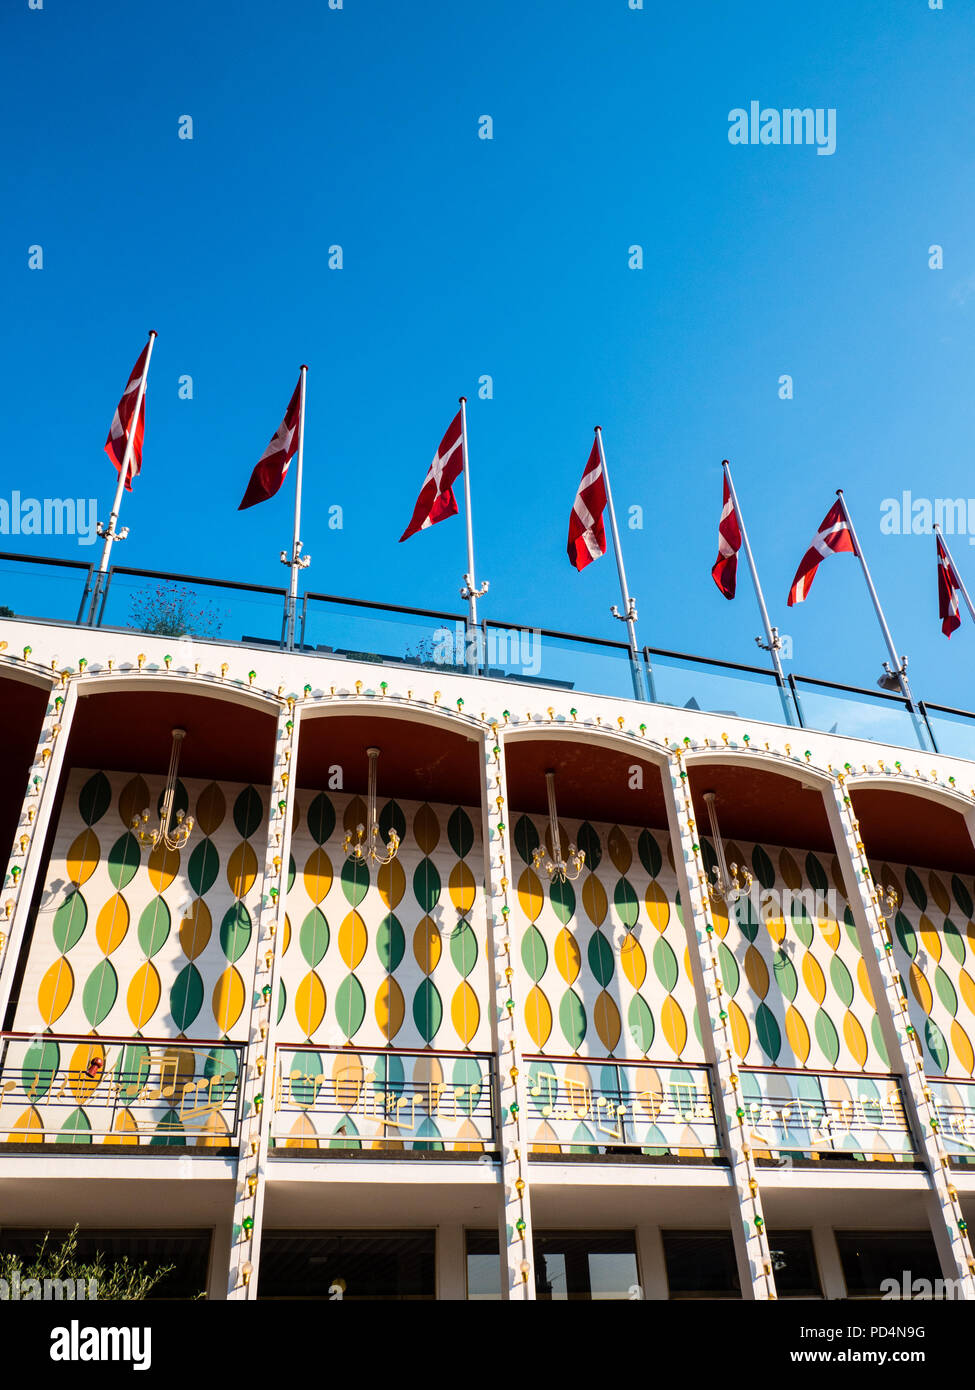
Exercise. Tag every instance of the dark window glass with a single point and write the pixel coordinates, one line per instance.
(584, 1265)
(351, 1265)
(701, 1264)
(188, 1251)
(870, 1257)
(794, 1264)
(483, 1265)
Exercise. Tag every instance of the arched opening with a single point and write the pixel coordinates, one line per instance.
(22, 708)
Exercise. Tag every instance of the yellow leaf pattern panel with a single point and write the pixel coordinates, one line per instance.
(129, 940)
(793, 976)
(604, 958)
(933, 940)
(400, 954)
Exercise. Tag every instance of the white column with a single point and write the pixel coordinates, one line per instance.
(651, 1262)
(515, 1220)
(747, 1217)
(828, 1259)
(24, 865)
(451, 1263)
(258, 1087)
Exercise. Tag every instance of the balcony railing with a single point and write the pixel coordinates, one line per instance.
(337, 1098)
(820, 1115)
(953, 1103)
(252, 615)
(79, 1089)
(610, 1108)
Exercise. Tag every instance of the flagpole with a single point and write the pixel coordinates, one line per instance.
(900, 665)
(470, 591)
(109, 531)
(954, 569)
(774, 643)
(297, 562)
(629, 613)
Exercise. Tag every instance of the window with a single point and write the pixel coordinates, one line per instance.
(794, 1264)
(870, 1257)
(188, 1251)
(348, 1265)
(584, 1265)
(483, 1265)
(701, 1264)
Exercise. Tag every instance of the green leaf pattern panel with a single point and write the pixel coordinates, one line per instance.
(604, 957)
(403, 961)
(130, 941)
(934, 954)
(794, 984)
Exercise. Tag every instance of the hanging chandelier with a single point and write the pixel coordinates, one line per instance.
(173, 837)
(363, 846)
(558, 869)
(730, 881)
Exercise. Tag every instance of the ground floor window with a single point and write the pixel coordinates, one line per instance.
(701, 1264)
(188, 1252)
(348, 1265)
(794, 1263)
(582, 1265)
(869, 1258)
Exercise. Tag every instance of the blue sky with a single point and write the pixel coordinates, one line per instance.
(509, 257)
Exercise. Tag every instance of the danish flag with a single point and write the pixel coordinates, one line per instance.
(436, 500)
(118, 435)
(832, 537)
(948, 586)
(271, 468)
(724, 572)
(587, 534)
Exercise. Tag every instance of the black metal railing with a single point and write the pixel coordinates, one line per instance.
(82, 1089)
(396, 1099)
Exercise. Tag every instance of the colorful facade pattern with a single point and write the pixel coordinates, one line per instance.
(129, 942)
(606, 955)
(933, 936)
(393, 956)
(133, 944)
(793, 977)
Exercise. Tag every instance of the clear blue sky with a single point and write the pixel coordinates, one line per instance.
(507, 257)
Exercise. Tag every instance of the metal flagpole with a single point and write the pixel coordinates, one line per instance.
(897, 674)
(297, 561)
(629, 613)
(954, 570)
(470, 591)
(109, 532)
(773, 642)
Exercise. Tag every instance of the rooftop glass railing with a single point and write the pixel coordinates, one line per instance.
(192, 608)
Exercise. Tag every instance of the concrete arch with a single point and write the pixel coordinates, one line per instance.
(154, 682)
(25, 674)
(950, 797)
(807, 774)
(434, 716)
(600, 737)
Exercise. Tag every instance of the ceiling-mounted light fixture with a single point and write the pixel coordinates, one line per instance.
(558, 868)
(730, 882)
(176, 837)
(366, 844)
